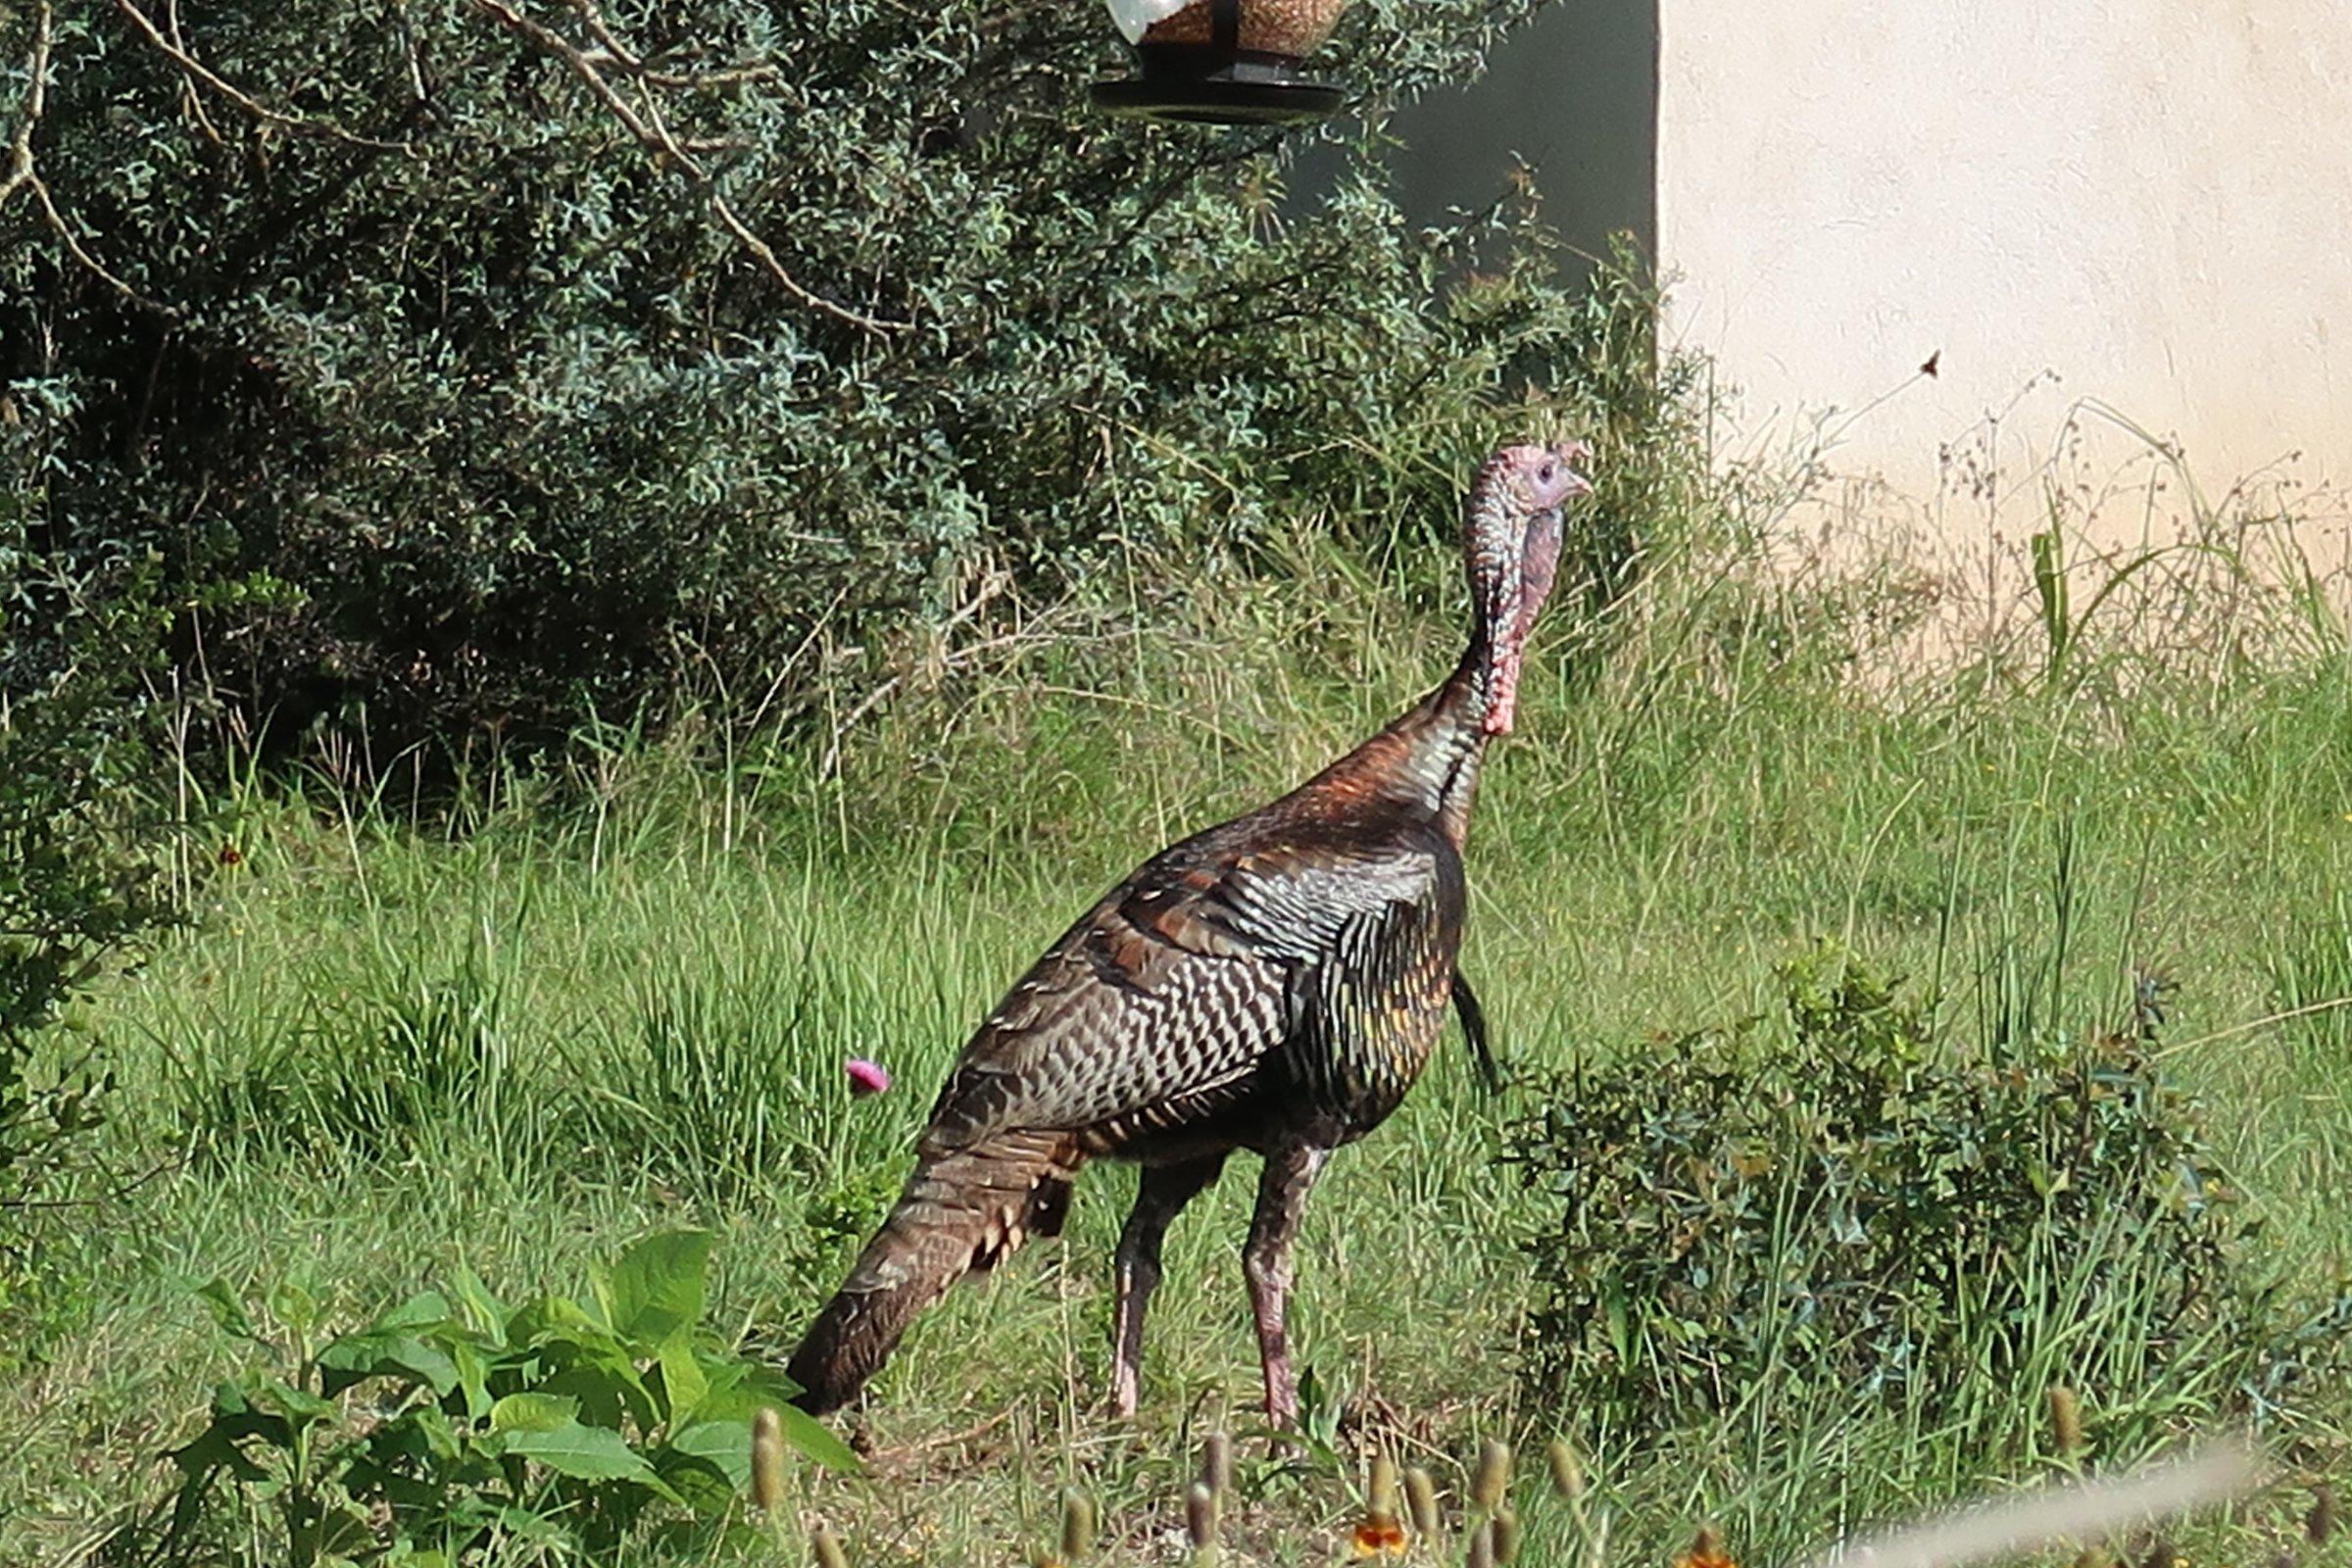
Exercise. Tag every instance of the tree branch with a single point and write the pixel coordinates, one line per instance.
(652, 134)
(22, 175)
(197, 71)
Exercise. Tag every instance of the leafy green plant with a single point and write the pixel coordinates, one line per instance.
(1833, 1203)
(454, 1424)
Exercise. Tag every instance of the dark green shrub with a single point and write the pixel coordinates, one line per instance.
(492, 366)
(82, 880)
(1832, 1205)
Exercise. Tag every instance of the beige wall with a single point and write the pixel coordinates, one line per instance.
(2143, 202)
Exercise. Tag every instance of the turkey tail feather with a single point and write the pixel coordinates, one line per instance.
(962, 1210)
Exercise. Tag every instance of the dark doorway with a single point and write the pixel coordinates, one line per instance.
(1573, 95)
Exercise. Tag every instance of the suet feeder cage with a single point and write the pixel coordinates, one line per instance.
(1223, 62)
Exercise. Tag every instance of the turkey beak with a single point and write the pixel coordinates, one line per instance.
(1574, 457)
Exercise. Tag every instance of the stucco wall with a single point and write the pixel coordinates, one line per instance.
(2143, 202)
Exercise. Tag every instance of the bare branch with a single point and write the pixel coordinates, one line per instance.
(652, 134)
(198, 71)
(22, 175)
(36, 98)
(73, 245)
(725, 77)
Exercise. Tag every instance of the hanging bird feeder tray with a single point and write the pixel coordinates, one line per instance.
(1223, 62)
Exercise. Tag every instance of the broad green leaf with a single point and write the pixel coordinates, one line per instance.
(655, 1292)
(295, 1307)
(724, 1443)
(603, 1398)
(298, 1405)
(555, 1319)
(740, 1389)
(226, 1308)
(534, 1413)
(814, 1440)
(587, 1453)
(216, 1448)
(682, 1381)
(483, 1310)
(434, 1434)
(706, 1487)
(419, 1311)
(723, 1374)
(593, 1361)
(473, 1378)
(389, 1354)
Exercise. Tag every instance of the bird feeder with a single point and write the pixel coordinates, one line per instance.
(1223, 62)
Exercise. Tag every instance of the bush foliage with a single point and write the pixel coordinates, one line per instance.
(442, 1429)
(82, 880)
(497, 364)
(1833, 1205)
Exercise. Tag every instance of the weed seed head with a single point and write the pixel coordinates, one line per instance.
(2065, 1419)
(1494, 1476)
(768, 1461)
(1567, 1470)
(1421, 1498)
(1077, 1526)
(1216, 1464)
(1201, 1517)
(1706, 1551)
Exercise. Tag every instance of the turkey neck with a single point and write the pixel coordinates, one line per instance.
(1425, 764)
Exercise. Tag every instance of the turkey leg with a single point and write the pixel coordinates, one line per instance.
(1159, 1197)
(1281, 1197)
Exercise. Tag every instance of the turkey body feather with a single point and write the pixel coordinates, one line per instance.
(1241, 981)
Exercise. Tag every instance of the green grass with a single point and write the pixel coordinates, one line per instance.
(619, 1000)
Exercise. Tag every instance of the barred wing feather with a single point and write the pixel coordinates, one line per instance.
(1176, 987)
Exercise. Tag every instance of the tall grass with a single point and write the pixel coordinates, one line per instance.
(573, 1007)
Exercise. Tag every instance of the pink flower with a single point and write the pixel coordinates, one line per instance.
(866, 1077)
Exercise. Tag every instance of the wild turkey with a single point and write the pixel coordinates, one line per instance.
(1274, 983)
